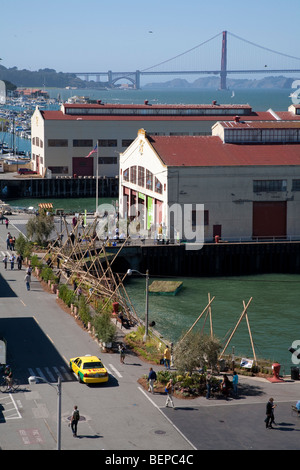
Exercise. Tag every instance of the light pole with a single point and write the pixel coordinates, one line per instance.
(129, 272)
(32, 380)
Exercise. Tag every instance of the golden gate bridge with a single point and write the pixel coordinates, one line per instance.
(174, 65)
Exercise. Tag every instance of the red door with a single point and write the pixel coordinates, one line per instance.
(269, 219)
(83, 166)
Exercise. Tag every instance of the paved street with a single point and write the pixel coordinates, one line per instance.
(119, 415)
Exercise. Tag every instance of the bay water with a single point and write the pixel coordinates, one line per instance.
(274, 311)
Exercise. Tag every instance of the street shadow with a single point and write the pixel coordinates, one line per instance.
(250, 390)
(2, 419)
(112, 382)
(30, 352)
(5, 289)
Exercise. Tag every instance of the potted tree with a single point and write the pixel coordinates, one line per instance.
(104, 329)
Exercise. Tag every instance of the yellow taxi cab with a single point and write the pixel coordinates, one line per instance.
(88, 369)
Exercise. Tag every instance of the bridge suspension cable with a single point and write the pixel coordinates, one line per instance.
(182, 53)
(262, 47)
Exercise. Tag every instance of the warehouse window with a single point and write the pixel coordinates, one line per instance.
(82, 143)
(260, 186)
(107, 143)
(296, 185)
(57, 143)
(60, 170)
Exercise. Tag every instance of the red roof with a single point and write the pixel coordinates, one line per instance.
(60, 116)
(211, 151)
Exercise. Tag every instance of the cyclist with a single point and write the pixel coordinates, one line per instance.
(8, 376)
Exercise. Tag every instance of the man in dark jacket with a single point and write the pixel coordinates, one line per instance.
(270, 413)
(151, 380)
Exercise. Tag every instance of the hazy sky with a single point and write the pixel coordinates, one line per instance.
(98, 35)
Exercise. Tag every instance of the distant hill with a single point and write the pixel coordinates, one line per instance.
(214, 83)
(45, 78)
(50, 78)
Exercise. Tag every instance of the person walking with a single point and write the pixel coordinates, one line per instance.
(167, 357)
(8, 241)
(6, 223)
(208, 385)
(19, 261)
(74, 420)
(235, 381)
(151, 379)
(122, 353)
(5, 261)
(270, 419)
(27, 280)
(169, 392)
(29, 271)
(12, 261)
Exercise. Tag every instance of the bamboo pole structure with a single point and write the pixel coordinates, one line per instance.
(235, 328)
(210, 318)
(83, 256)
(250, 334)
(209, 303)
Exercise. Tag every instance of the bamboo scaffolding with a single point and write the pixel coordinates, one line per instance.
(83, 257)
(236, 326)
(203, 311)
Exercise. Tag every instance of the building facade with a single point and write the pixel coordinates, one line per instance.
(62, 139)
(242, 182)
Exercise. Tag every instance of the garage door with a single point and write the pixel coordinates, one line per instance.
(269, 219)
(83, 166)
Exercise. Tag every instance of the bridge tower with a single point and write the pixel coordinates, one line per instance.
(223, 74)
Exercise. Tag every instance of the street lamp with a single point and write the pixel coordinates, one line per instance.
(129, 272)
(33, 380)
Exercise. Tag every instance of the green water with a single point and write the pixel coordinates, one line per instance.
(72, 205)
(273, 312)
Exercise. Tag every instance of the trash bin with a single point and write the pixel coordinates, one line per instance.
(295, 373)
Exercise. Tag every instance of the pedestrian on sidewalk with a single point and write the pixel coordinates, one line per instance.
(235, 381)
(74, 420)
(122, 353)
(6, 223)
(5, 261)
(12, 261)
(270, 419)
(29, 271)
(151, 379)
(169, 392)
(19, 261)
(8, 241)
(208, 385)
(167, 357)
(27, 280)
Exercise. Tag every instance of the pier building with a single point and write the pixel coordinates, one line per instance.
(62, 139)
(246, 174)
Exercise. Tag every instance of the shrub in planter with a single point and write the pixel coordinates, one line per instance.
(84, 310)
(47, 274)
(104, 328)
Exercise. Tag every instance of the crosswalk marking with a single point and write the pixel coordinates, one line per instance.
(51, 374)
(115, 370)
